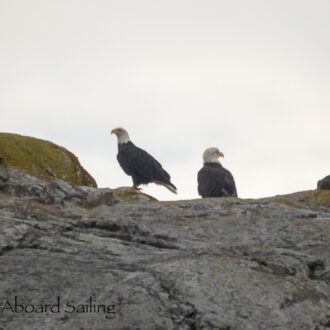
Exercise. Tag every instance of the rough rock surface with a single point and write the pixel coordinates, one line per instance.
(324, 183)
(44, 157)
(200, 264)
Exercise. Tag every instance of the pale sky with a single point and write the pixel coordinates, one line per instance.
(249, 77)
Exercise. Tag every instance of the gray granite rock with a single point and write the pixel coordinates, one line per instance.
(200, 264)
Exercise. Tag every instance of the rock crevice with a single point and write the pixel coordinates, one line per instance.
(200, 264)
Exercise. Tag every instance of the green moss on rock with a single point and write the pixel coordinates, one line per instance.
(131, 195)
(318, 197)
(44, 157)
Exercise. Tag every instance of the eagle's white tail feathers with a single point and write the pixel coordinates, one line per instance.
(170, 188)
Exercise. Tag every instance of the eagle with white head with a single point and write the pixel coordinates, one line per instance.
(137, 163)
(213, 179)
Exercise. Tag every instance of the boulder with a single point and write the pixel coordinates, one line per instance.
(102, 260)
(44, 157)
(324, 184)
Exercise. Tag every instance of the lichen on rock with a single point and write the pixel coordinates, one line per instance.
(130, 195)
(44, 157)
(212, 263)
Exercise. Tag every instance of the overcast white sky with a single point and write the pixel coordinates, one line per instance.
(249, 77)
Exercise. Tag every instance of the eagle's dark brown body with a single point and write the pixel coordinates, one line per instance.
(215, 181)
(142, 167)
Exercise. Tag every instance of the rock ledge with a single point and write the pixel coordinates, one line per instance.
(199, 264)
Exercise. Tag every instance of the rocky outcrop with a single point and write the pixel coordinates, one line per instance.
(44, 157)
(324, 184)
(223, 263)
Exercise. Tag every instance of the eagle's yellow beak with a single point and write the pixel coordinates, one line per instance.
(220, 154)
(114, 131)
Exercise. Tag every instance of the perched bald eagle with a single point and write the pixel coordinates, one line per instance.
(213, 179)
(142, 167)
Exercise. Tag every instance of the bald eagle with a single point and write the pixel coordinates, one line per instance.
(137, 163)
(213, 179)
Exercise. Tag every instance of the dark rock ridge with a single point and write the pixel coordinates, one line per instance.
(324, 183)
(200, 264)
